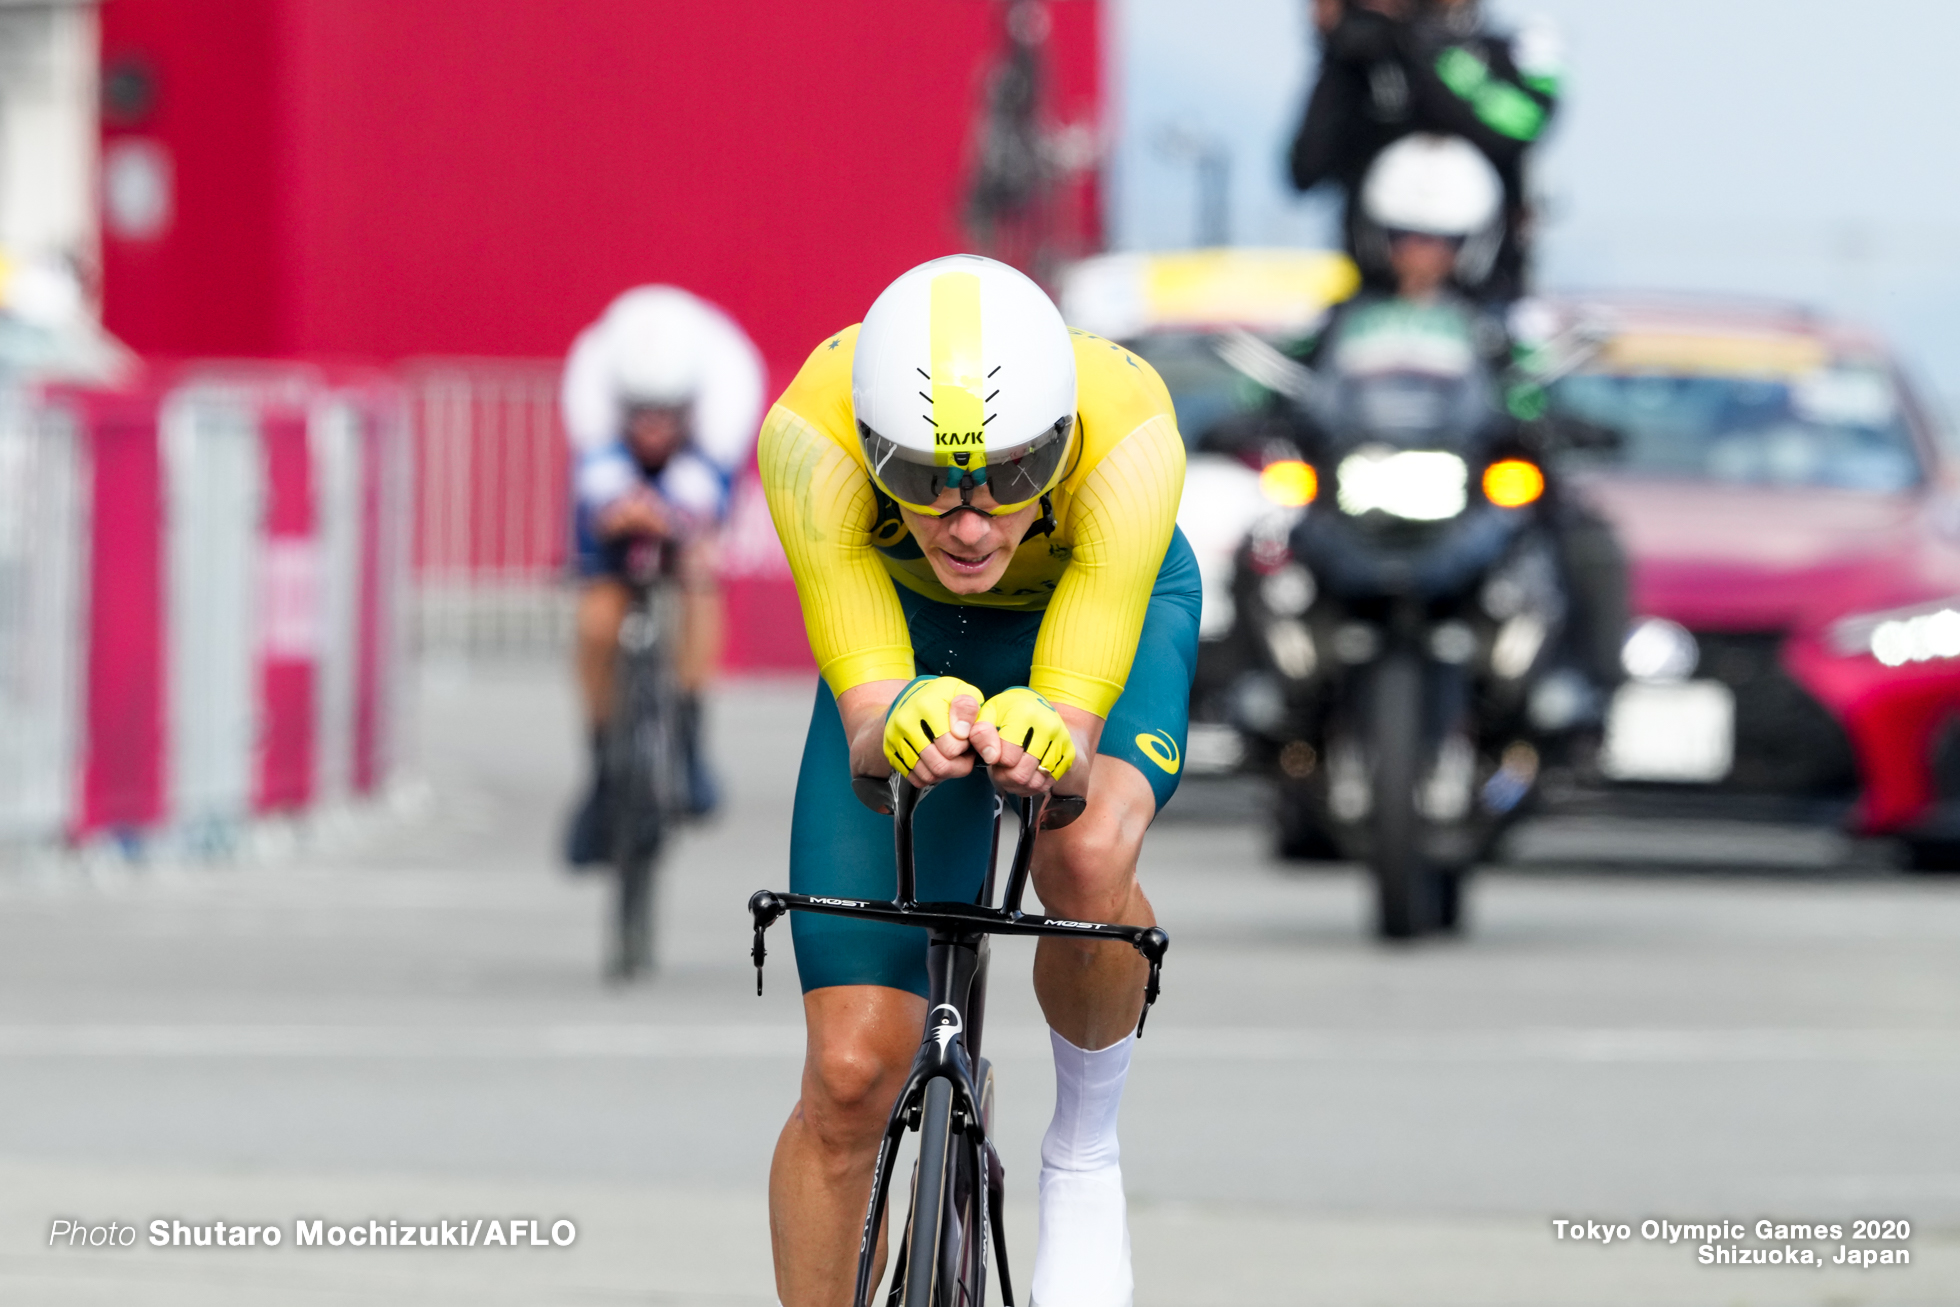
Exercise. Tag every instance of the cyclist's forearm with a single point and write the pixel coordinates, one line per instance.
(862, 709)
(1087, 728)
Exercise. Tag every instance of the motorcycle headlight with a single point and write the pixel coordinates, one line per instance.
(1918, 634)
(1289, 591)
(1289, 483)
(1418, 485)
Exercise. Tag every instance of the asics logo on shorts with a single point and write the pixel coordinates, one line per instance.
(1160, 748)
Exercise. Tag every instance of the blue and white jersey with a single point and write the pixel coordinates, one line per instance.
(727, 409)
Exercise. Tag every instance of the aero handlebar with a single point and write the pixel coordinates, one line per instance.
(901, 798)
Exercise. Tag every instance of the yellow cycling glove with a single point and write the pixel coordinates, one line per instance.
(1025, 718)
(922, 711)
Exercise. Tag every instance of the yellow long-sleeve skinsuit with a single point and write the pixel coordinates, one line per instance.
(1101, 613)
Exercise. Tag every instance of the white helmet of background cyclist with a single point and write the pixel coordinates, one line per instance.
(1434, 185)
(653, 340)
(964, 375)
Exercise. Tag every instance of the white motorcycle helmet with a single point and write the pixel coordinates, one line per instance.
(653, 342)
(964, 377)
(1437, 186)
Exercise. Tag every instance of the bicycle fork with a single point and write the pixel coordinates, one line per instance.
(954, 962)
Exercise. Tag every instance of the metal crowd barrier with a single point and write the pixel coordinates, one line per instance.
(493, 529)
(203, 603)
(210, 589)
(492, 524)
(43, 536)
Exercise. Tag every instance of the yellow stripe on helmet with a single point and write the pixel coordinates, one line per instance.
(958, 407)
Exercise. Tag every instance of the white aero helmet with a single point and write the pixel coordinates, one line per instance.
(1434, 186)
(654, 338)
(964, 376)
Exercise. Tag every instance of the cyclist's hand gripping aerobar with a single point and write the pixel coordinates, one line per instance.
(938, 725)
(927, 729)
(641, 511)
(1024, 741)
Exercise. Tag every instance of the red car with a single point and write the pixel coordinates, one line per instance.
(1793, 520)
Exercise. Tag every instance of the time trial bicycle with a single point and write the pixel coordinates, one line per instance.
(948, 1098)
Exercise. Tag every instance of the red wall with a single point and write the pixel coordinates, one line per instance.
(378, 180)
(210, 284)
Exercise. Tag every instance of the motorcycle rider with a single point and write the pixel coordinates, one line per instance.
(1392, 68)
(661, 398)
(1431, 212)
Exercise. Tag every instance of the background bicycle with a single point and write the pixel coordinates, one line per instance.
(645, 758)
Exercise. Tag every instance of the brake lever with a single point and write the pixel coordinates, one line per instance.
(1258, 361)
(1152, 944)
(764, 908)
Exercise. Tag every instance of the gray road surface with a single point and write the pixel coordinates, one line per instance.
(401, 1020)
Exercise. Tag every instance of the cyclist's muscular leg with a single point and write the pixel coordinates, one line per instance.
(602, 606)
(702, 617)
(861, 1042)
(1092, 993)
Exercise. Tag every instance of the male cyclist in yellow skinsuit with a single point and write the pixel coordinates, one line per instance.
(979, 506)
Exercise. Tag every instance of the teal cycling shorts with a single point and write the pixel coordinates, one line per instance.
(839, 848)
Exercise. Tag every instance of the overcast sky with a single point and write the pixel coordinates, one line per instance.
(1795, 148)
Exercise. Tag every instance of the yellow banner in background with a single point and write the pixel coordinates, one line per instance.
(1270, 289)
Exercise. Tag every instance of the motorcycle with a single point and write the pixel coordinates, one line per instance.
(1399, 645)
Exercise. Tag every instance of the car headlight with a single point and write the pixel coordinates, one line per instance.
(1659, 651)
(1918, 634)
(1419, 485)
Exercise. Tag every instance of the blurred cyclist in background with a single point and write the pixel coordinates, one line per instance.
(661, 400)
(1390, 68)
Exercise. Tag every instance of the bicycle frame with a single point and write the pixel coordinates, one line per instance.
(956, 968)
(643, 754)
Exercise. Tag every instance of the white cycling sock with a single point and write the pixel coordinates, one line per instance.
(1083, 1257)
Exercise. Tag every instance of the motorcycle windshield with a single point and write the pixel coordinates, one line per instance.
(1407, 375)
(1409, 410)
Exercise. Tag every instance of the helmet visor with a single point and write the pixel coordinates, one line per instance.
(1015, 477)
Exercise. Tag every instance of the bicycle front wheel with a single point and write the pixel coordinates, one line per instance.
(647, 771)
(931, 1240)
(632, 916)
